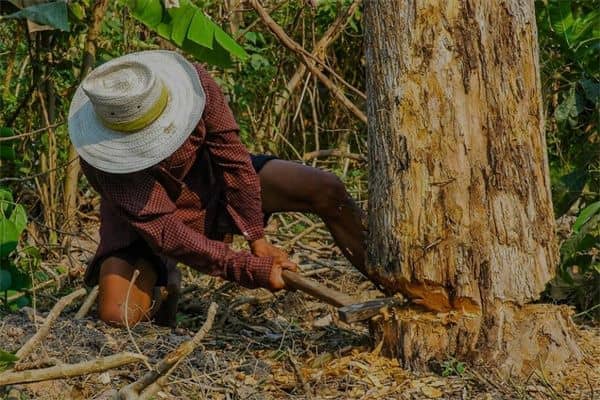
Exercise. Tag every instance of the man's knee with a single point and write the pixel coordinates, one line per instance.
(114, 313)
(119, 301)
(330, 196)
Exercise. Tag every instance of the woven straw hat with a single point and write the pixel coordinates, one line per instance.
(135, 110)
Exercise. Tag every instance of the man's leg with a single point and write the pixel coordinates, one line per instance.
(115, 275)
(289, 186)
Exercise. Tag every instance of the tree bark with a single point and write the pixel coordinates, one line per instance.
(461, 216)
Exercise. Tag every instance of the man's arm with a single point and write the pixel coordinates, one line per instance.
(241, 183)
(240, 180)
(145, 204)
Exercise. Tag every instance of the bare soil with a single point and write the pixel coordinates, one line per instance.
(270, 346)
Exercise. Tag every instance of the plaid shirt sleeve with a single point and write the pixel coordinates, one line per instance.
(240, 180)
(141, 199)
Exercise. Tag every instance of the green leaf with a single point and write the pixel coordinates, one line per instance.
(20, 280)
(201, 30)
(252, 37)
(7, 359)
(9, 237)
(229, 44)
(150, 12)
(19, 218)
(566, 189)
(561, 16)
(20, 302)
(216, 56)
(6, 201)
(5, 132)
(77, 10)
(181, 19)
(5, 279)
(191, 30)
(53, 14)
(585, 215)
(165, 28)
(7, 152)
(570, 107)
(591, 90)
(582, 25)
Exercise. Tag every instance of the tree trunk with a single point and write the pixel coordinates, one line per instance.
(461, 216)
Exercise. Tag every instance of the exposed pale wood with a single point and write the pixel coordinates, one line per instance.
(534, 336)
(315, 289)
(70, 370)
(365, 310)
(43, 330)
(460, 211)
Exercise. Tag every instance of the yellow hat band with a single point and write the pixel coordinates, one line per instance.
(143, 120)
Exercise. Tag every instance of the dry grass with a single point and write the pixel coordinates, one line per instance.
(282, 346)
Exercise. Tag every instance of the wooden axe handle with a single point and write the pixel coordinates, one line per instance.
(315, 289)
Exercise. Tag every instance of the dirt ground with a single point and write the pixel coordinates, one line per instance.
(265, 346)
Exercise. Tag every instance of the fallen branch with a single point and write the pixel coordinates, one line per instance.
(87, 304)
(43, 331)
(70, 370)
(152, 381)
(305, 57)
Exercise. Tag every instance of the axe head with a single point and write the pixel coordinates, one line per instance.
(366, 310)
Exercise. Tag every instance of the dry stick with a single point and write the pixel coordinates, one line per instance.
(152, 381)
(318, 53)
(25, 134)
(87, 304)
(40, 286)
(136, 273)
(43, 331)
(301, 54)
(70, 370)
(305, 232)
(305, 385)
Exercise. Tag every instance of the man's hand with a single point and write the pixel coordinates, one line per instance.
(262, 248)
(276, 281)
(281, 261)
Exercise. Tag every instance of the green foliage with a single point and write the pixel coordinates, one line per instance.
(569, 33)
(7, 360)
(578, 279)
(51, 13)
(13, 220)
(190, 29)
(453, 367)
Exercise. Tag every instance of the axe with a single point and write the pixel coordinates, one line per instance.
(349, 309)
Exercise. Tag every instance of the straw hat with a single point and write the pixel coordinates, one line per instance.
(136, 110)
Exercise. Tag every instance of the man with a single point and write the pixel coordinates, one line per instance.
(159, 143)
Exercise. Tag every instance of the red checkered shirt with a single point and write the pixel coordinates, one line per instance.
(175, 206)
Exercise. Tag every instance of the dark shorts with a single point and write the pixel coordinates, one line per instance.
(140, 249)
